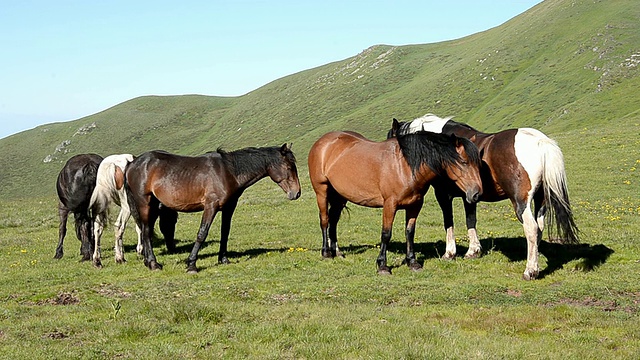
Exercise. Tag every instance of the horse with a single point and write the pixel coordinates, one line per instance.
(110, 188)
(74, 186)
(209, 183)
(394, 174)
(522, 165)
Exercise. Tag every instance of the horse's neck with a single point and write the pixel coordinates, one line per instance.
(423, 178)
(247, 179)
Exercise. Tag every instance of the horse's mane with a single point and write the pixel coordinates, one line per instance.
(252, 159)
(408, 127)
(452, 123)
(437, 151)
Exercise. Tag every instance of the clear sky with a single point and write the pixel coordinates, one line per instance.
(62, 60)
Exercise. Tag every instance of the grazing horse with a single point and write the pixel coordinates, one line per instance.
(210, 183)
(110, 188)
(394, 174)
(74, 185)
(522, 165)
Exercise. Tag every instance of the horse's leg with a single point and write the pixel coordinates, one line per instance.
(540, 208)
(148, 214)
(168, 220)
(63, 212)
(337, 204)
(533, 234)
(98, 226)
(85, 235)
(225, 228)
(388, 213)
(120, 226)
(323, 211)
(445, 202)
(207, 218)
(139, 247)
(475, 249)
(410, 231)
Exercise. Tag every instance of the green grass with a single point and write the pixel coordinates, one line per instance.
(561, 67)
(279, 299)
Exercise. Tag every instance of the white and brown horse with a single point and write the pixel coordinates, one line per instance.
(110, 189)
(522, 165)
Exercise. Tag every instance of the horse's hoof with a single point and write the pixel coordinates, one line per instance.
(97, 264)
(153, 265)
(415, 266)
(474, 255)
(448, 256)
(121, 261)
(340, 255)
(327, 255)
(58, 256)
(384, 270)
(529, 275)
(192, 271)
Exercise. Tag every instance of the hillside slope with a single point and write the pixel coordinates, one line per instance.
(562, 65)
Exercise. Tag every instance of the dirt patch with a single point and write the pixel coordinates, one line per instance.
(605, 305)
(63, 298)
(109, 291)
(55, 335)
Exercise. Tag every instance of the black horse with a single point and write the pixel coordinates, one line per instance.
(210, 183)
(75, 184)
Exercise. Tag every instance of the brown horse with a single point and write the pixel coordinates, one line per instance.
(522, 165)
(393, 174)
(157, 182)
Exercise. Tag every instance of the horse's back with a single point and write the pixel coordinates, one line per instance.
(77, 179)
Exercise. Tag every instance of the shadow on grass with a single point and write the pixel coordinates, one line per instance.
(515, 249)
(557, 255)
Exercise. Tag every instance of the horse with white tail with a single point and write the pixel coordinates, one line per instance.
(522, 165)
(110, 188)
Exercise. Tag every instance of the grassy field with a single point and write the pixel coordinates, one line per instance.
(278, 299)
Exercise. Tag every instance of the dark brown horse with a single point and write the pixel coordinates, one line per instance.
(394, 174)
(74, 185)
(522, 165)
(210, 183)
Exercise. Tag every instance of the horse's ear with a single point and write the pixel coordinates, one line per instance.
(285, 148)
(395, 126)
(473, 138)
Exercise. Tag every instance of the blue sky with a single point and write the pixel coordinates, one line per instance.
(63, 60)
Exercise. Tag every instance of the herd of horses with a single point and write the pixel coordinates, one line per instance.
(522, 165)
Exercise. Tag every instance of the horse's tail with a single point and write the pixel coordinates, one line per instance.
(556, 193)
(104, 190)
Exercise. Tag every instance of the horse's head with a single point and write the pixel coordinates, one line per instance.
(285, 173)
(466, 172)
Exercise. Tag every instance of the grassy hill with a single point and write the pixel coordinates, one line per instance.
(563, 65)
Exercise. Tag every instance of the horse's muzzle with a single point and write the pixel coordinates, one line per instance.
(474, 195)
(293, 195)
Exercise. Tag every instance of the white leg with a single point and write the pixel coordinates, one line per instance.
(450, 252)
(533, 234)
(139, 246)
(98, 226)
(475, 249)
(120, 225)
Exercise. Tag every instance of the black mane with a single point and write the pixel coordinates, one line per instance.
(437, 151)
(252, 159)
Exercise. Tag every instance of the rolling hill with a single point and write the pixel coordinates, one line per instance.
(562, 65)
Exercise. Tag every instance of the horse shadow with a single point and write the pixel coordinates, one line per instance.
(558, 255)
(515, 249)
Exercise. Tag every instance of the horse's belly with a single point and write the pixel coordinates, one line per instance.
(359, 194)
